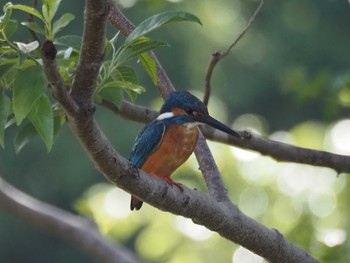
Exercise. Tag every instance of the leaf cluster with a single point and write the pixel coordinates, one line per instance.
(24, 97)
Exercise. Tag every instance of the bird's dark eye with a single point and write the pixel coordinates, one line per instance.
(189, 111)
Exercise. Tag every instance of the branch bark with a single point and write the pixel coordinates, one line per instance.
(222, 217)
(279, 151)
(204, 157)
(79, 231)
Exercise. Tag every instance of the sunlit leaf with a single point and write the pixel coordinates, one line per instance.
(4, 111)
(62, 22)
(49, 8)
(34, 27)
(27, 48)
(42, 119)
(150, 66)
(29, 10)
(29, 85)
(154, 22)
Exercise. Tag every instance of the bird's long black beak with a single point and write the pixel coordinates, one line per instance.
(217, 125)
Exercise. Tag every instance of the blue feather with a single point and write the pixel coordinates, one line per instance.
(151, 136)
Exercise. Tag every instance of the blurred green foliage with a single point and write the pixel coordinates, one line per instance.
(288, 79)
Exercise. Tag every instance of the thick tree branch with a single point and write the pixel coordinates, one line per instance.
(91, 53)
(222, 217)
(131, 111)
(79, 231)
(59, 91)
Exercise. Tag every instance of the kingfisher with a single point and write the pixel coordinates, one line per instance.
(167, 142)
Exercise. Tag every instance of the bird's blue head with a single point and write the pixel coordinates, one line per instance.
(184, 103)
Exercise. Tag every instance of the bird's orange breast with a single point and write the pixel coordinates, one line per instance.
(177, 145)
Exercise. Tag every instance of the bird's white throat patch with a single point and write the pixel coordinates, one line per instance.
(165, 115)
(191, 125)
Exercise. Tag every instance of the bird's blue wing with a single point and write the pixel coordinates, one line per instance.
(147, 142)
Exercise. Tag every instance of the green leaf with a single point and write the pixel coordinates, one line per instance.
(24, 136)
(10, 27)
(27, 48)
(29, 10)
(150, 66)
(4, 111)
(139, 46)
(130, 88)
(29, 85)
(125, 73)
(112, 94)
(34, 27)
(49, 9)
(62, 22)
(154, 22)
(6, 17)
(42, 119)
(69, 41)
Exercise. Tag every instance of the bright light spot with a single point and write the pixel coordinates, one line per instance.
(244, 155)
(115, 203)
(322, 204)
(282, 136)
(251, 122)
(190, 229)
(253, 202)
(243, 255)
(127, 3)
(174, 1)
(332, 237)
(295, 179)
(260, 170)
(285, 212)
(340, 136)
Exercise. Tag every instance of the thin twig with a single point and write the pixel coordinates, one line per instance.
(217, 56)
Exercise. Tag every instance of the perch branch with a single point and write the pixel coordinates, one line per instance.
(204, 157)
(279, 151)
(221, 217)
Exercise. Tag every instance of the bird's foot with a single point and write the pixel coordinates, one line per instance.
(169, 181)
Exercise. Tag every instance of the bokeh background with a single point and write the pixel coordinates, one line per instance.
(287, 79)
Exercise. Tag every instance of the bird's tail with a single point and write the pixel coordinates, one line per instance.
(135, 203)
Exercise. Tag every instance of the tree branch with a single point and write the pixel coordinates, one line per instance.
(217, 56)
(79, 231)
(164, 85)
(59, 91)
(279, 151)
(91, 53)
(282, 151)
(221, 217)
